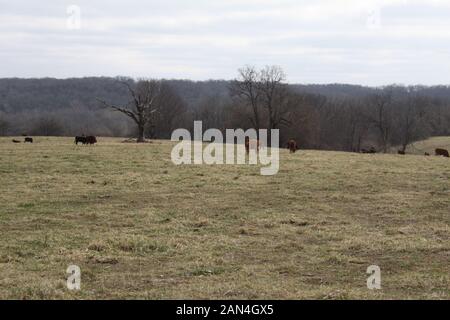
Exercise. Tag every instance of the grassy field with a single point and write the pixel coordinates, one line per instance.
(140, 227)
(429, 145)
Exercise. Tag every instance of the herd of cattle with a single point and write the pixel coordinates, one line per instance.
(292, 146)
(438, 152)
(25, 140)
(252, 144)
(249, 145)
(78, 139)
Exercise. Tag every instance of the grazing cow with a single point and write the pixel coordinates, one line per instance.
(427, 154)
(16, 141)
(292, 145)
(80, 139)
(442, 152)
(251, 144)
(28, 139)
(91, 140)
(401, 152)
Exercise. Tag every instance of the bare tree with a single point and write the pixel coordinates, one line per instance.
(145, 95)
(411, 119)
(246, 88)
(274, 95)
(171, 108)
(47, 126)
(357, 125)
(267, 95)
(211, 112)
(381, 118)
(4, 126)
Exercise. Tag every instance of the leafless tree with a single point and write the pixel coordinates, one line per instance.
(145, 96)
(266, 92)
(211, 112)
(411, 119)
(275, 95)
(357, 125)
(47, 126)
(4, 126)
(246, 88)
(381, 115)
(170, 109)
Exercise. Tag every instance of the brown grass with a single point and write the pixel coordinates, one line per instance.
(140, 227)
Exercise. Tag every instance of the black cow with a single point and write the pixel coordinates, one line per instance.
(80, 139)
(442, 152)
(371, 150)
(28, 139)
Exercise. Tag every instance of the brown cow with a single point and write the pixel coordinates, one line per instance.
(251, 144)
(292, 145)
(401, 152)
(427, 154)
(91, 140)
(442, 152)
(16, 141)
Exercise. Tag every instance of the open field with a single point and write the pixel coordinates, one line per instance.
(140, 227)
(429, 145)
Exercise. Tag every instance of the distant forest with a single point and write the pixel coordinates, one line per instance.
(329, 117)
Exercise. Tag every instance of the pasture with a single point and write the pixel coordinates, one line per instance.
(429, 145)
(140, 227)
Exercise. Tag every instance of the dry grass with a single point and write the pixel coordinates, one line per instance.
(139, 227)
(429, 146)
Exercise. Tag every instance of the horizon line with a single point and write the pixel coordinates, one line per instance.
(393, 84)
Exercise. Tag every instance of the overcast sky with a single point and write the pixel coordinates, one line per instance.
(371, 42)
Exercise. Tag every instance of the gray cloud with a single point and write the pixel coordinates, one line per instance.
(314, 41)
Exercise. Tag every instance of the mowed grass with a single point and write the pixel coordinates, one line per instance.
(140, 227)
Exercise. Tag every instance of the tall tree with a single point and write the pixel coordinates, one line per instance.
(411, 119)
(145, 99)
(4, 126)
(246, 87)
(170, 113)
(266, 92)
(48, 126)
(274, 95)
(381, 105)
(357, 127)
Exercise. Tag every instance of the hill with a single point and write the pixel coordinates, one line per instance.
(429, 145)
(326, 117)
(140, 227)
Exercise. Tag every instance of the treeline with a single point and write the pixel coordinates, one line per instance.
(332, 117)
